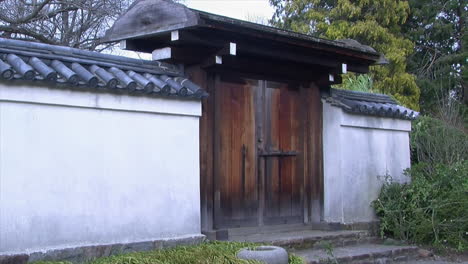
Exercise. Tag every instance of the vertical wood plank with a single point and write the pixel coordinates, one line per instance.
(217, 164)
(200, 77)
(251, 194)
(304, 93)
(284, 174)
(236, 153)
(285, 137)
(315, 151)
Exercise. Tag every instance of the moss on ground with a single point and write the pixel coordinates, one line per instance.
(205, 253)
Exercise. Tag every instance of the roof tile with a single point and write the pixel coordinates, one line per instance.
(370, 104)
(21, 60)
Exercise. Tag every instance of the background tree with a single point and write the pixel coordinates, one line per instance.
(376, 23)
(437, 27)
(74, 23)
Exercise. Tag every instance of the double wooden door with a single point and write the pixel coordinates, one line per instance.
(258, 153)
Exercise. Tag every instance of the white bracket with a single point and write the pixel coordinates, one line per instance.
(344, 68)
(174, 35)
(232, 48)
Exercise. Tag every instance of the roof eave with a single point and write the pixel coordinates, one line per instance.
(153, 18)
(148, 33)
(143, 19)
(336, 45)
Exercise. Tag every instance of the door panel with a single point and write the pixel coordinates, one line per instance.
(283, 175)
(236, 160)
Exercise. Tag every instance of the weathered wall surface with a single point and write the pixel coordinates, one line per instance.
(358, 152)
(80, 168)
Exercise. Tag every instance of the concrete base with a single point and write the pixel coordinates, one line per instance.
(372, 227)
(220, 235)
(84, 254)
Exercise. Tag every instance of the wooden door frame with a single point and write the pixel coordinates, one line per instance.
(259, 96)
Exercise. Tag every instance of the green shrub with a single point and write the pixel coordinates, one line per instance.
(431, 209)
(434, 141)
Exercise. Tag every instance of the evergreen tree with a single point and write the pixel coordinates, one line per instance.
(376, 23)
(437, 28)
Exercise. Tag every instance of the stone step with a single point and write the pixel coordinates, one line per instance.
(242, 231)
(363, 253)
(310, 239)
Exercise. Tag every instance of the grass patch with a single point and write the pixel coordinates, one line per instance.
(205, 253)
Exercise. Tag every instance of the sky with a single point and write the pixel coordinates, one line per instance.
(240, 9)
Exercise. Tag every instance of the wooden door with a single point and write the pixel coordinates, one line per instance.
(280, 154)
(235, 165)
(258, 162)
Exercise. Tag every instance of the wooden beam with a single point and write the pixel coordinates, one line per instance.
(325, 80)
(358, 68)
(222, 44)
(344, 68)
(317, 46)
(249, 48)
(181, 55)
(128, 44)
(193, 54)
(258, 49)
(265, 68)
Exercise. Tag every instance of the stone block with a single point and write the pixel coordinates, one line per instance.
(94, 252)
(116, 249)
(14, 259)
(138, 247)
(423, 253)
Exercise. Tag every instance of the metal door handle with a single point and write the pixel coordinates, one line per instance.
(278, 153)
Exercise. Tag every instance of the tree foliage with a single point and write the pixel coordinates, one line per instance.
(74, 23)
(437, 28)
(376, 23)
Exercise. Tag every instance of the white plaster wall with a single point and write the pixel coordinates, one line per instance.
(358, 152)
(78, 168)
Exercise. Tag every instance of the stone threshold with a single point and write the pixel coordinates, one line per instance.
(309, 238)
(235, 233)
(87, 253)
(364, 253)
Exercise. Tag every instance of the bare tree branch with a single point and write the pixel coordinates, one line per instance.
(26, 32)
(26, 18)
(75, 23)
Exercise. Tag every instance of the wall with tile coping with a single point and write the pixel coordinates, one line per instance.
(358, 151)
(83, 168)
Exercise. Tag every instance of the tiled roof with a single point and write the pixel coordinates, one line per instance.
(370, 104)
(69, 67)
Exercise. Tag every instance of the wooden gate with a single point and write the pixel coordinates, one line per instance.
(258, 153)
